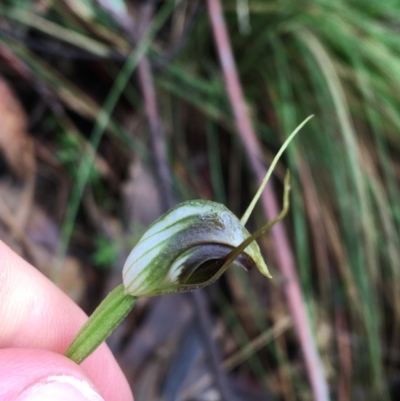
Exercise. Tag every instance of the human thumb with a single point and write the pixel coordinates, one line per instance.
(33, 375)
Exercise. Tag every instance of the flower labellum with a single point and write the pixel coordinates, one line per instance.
(186, 249)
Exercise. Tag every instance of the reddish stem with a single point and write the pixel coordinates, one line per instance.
(284, 255)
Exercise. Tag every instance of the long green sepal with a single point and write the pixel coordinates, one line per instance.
(101, 324)
(256, 197)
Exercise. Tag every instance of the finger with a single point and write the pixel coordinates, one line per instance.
(29, 375)
(34, 313)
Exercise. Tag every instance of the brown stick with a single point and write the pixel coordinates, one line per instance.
(285, 258)
(163, 174)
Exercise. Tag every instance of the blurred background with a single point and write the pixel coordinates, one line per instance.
(112, 111)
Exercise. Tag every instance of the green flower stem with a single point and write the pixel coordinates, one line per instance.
(101, 324)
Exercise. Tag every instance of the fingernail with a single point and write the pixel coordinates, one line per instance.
(60, 388)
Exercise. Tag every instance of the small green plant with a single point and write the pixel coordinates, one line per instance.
(187, 248)
(106, 252)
